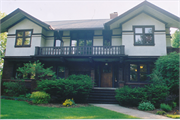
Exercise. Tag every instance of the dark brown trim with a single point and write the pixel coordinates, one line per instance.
(143, 33)
(138, 6)
(160, 31)
(23, 37)
(28, 16)
(16, 23)
(11, 34)
(128, 31)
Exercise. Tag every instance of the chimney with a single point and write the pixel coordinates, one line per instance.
(113, 15)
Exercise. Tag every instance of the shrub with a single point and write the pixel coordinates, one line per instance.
(173, 104)
(75, 86)
(130, 96)
(156, 93)
(173, 116)
(35, 70)
(40, 97)
(161, 112)
(15, 88)
(28, 95)
(165, 107)
(167, 72)
(147, 106)
(69, 102)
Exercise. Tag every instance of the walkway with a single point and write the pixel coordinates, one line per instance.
(136, 113)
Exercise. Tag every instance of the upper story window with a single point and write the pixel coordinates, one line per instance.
(58, 43)
(107, 38)
(23, 38)
(143, 35)
(82, 38)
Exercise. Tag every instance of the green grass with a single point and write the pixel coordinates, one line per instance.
(11, 109)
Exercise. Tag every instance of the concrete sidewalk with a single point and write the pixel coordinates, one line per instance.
(128, 111)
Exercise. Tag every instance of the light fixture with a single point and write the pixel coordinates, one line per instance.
(106, 63)
(135, 70)
(141, 67)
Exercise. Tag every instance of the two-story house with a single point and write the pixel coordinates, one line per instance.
(114, 52)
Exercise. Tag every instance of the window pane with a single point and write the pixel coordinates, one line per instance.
(73, 42)
(27, 41)
(27, 33)
(138, 30)
(19, 42)
(81, 42)
(143, 77)
(148, 39)
(88, 42)
(133, 72)
(138, 39)
(20, 34)
(107, 42)
(143, 68)
(148, 30)
(58, 43)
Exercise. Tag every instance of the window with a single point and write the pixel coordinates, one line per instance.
(82, 38)
(143, 35)
(140, 72)
(23, 38)
(107, 38)
(60, 72)
(58, 43)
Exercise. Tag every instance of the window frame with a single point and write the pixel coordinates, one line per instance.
(107, 35)
(78, 37)
(148, 71)
(144, 34)
(23, 37)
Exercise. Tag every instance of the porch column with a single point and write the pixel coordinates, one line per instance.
(120, 73)
(93, 75)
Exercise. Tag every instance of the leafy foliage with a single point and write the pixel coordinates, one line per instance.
(40, 97)
(165, 107)
(146, 106)
(166, 72)
(69, 102)
(176, 39)
(75, 86)
(161, 112)
(15, 88)
(35, 70)
(3, 39)
(133, 96)
(130, 96)
(173, 104)
(157, 93)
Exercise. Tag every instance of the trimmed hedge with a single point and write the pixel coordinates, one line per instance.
(75, 86)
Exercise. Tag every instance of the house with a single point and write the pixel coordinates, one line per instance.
(113, 52)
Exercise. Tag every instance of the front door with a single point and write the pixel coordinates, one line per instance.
(106, 75)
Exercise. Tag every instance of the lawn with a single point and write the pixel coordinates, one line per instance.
(11, 109)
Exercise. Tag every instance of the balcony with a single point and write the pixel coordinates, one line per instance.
(80, 51)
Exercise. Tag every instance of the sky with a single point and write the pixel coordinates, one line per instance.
(55, 10)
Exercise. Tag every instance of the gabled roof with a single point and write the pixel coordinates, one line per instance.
(146, 7)
(78, 24)
(18, 15)
(150, 9)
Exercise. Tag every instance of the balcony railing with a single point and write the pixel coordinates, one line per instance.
(80, 51)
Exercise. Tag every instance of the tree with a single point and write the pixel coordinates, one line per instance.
(35, 70)
(176, 39)
(3, 39)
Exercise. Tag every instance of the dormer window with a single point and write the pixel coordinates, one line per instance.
(23, 38)
(143, 35)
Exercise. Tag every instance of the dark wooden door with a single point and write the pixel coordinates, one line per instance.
(106, 75)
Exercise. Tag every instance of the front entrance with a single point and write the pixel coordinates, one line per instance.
(106, 75)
